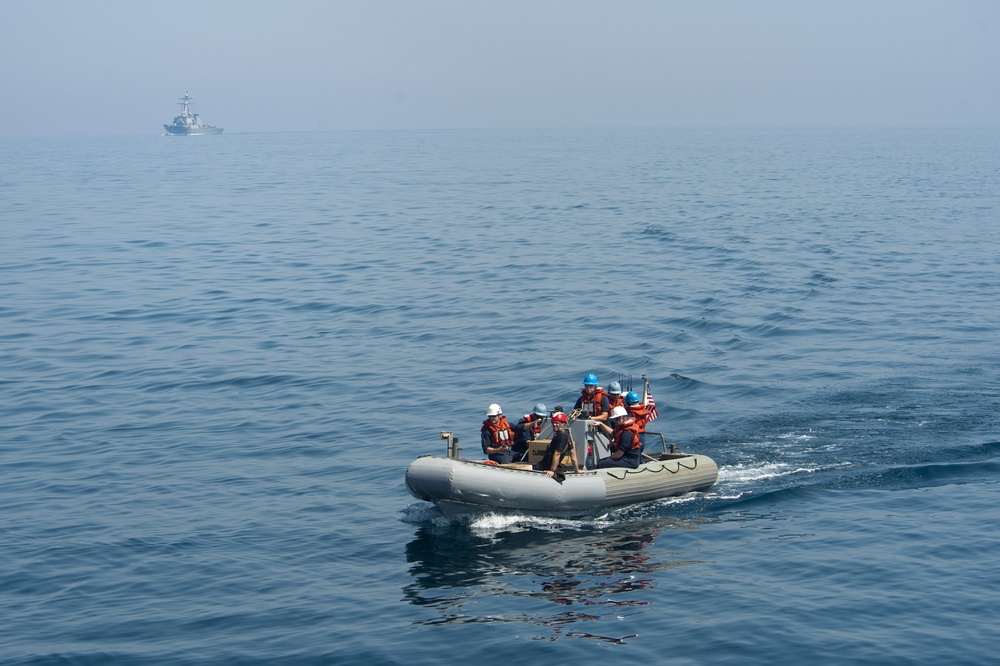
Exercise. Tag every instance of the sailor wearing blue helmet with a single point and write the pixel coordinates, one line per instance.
(593, 400)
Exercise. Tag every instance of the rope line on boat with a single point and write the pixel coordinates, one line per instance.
(663, 468)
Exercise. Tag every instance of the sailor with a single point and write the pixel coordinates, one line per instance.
(527, 429)
(560, 446)
(626, 447)
(593, 400)
(640, 412)
(614, 395)
(496, 436)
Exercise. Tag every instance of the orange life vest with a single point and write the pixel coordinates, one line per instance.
(592, 403)
(500, 432)
(629, 426)
(641, 414)
(615, 401)
(534, 423)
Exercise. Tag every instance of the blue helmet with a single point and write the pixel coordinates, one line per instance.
(631, 398)
(590, 380)
(539, 410)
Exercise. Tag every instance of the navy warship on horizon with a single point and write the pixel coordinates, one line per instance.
(189, 124)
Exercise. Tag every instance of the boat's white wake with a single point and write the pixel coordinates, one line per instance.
(487, 524)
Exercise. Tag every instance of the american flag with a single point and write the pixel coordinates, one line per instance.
(650, 403)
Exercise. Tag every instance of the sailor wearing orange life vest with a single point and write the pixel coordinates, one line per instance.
(528, 428)
(615, 395)
(496, 436)
(593, 400)
(626, 447)
(640, 412)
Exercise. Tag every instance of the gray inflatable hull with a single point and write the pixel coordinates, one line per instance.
(460, 486)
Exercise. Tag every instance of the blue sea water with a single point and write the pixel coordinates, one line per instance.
(218, 355)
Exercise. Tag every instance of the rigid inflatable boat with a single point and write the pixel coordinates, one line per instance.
(460, 486)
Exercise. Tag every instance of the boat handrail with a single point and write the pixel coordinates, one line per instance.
(663, 442)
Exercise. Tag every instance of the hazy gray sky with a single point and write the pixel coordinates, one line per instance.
(107, 66)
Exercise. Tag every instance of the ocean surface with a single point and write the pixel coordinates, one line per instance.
(219, 354)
